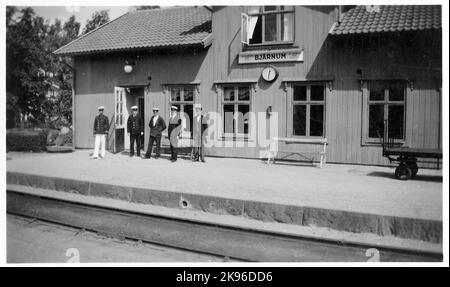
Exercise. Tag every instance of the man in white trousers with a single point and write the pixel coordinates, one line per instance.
(101, 128)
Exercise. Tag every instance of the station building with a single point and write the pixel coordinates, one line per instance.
(334, 72)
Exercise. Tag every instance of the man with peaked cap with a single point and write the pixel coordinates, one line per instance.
(198, 133)
(174, 132)
(157, 126)
(101, 128)
(135, 130)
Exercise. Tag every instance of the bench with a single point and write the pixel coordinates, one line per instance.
(273, 148)
(185, 144)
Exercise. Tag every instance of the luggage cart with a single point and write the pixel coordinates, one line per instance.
(406, 156)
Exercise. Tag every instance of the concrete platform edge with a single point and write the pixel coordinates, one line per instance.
(401, 227)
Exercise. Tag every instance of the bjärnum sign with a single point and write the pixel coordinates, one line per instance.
(271, 56)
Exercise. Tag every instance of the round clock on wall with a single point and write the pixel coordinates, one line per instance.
(269, 74)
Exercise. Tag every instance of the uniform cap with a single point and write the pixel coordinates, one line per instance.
(101, 108)
(197, 106)
(134, 108)
(174, 108)
(156, 109)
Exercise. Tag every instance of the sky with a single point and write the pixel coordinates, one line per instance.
(82, 13)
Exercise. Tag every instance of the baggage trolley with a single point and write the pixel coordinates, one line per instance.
(406, 156)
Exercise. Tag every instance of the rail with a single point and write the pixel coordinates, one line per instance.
(228, 242)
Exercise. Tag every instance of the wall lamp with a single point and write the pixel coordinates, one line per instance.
(128, 67)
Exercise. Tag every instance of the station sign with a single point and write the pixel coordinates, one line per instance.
(271, 56)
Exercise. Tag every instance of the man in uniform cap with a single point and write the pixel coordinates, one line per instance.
(157, 126)
(101, 128)
(135, 130)
(174, 132)
(198, 133)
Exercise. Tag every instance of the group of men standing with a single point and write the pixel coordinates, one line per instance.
(135, 127)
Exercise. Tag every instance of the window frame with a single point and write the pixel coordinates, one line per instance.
(182, 102)
(308, 103)
(235, 135)
(119, 108)
(263, 14)
(366, 140)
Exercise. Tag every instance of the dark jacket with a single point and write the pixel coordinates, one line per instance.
(101, 124)
(134, 125)
(157, 129)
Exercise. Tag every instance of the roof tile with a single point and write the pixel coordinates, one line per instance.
(390, 18)
(176, 26)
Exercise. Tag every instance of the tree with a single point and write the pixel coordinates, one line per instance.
(58, 103)
(98, 18)
(71, 29)
(10, 11)
(33, 71)
(25, 61)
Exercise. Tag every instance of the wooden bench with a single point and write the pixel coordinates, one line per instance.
(184, 144)
(273, 148)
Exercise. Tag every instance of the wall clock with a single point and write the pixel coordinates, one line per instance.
(269, 74)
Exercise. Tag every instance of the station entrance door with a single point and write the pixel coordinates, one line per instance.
(124, 99)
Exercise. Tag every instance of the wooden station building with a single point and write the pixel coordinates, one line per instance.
(334, 72)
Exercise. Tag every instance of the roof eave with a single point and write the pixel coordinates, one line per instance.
(333, 33)
(108, 51)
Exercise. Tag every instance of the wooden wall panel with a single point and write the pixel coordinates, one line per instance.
(86, 107)
(323, 56)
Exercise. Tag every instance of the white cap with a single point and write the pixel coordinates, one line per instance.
(134, 107)
(101, 108)
(156, 109)
(197, 106)
(174, 108)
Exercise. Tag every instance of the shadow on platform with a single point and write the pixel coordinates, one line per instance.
(164, 155)
(418, 177)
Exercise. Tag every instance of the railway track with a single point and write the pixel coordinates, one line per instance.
(234, 243)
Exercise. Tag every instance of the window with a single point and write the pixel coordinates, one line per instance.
(386, 102)
(236, 107)
(268, 25)
(183, 98)
(119, 107)
(308, 110)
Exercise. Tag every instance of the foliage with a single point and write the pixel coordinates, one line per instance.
(24, 61)
(98, 18)
(38, 82)
(25, 140)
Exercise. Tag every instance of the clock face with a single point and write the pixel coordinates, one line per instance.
(269, 74)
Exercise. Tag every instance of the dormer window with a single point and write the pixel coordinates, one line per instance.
(267, 25)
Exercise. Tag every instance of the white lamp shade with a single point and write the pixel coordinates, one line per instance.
(128, 68)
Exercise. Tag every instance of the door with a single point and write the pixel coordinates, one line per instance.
(119, 119)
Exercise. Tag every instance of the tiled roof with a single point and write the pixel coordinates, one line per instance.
(176, 26)
(389, 18)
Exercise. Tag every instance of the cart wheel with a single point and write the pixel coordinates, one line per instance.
(414, 168)
(403, 172)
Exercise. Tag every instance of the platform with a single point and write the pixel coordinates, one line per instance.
(358, 199)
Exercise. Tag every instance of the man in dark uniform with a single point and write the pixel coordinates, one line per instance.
(198, 133)
(135, 130)
(101, 128)
(174, 132)
(157, 125)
